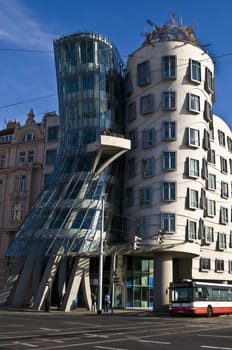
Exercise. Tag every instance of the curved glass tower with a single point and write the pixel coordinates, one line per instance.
(66, 221)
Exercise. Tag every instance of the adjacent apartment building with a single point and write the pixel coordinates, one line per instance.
(28, 154)
(167, 213)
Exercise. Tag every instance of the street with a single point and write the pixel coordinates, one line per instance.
(118, 331)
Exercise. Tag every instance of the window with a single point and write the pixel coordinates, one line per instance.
(2, 161)
(211, 182)
(224, 189)
(128, 84)
(221, 241)
(148, 138)
(143, 73)
(195, 71)
(169, 160)
(88, 82)
(132, 168)
(22, 157)
(169, 130)
(131, 112)
(206, 140)
(211, 156)
(192, 230)
(142, 225)
(230, 266)
(229, 143)
(230, 164)
(211, 134)
(224, 219)
(50, 157)
(194, 103)
(30, 156)
(169, 67)
(209, 83)
(5, 138)
(221, 138)
(168, 222)
(145, 197)
(133, 136)
(129, 197)
(223, 165)
(17, 212)
(20, 183)
(193, 167)
(87, 51)
(74, 86)
(208, 112)
(193, 137)
(193, 199)
(219, 265)
(146, 104)
(28, 137)
(211, 207)
(52, 133)
(148, 167)
(209, 234)
(205, 264)
(169, 191)
(169, 100)
(230, 243)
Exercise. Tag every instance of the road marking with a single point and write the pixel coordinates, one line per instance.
(50, 329)
(214, 347)
(155, 342)
(106, 347)
(26, 344)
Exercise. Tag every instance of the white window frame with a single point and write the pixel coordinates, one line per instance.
(143, 73)
(209, 81)
(169, 160)
(168, 222)
(224, 218)
(194, 103)
(212, 156)
(169, 130)
(224, 168)
(224, 189)
(219, 265)
(222, 244)
(169, 67)
(194, 168)
(192, 230)
(193, 199)
(209, 234)
(193, 137)
(205, 264)
(195, 71)
(169, 100)
(211, 208)
(169, 191)
(212, 182)
(221, 138)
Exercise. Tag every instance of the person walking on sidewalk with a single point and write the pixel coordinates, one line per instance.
(94, 300)
(106, 302)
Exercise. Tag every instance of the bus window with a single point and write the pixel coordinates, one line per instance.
(182, 295)
(201, 293)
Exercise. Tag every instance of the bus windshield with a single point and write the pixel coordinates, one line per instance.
(181, 294)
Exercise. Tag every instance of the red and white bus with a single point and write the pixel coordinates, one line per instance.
(200, 298)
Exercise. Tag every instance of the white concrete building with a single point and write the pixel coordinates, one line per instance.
(178, 174)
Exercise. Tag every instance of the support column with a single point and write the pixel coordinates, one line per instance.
(163, 275)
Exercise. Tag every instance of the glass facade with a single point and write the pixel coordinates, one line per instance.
(68, 215)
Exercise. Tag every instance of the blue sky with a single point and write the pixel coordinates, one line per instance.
(28, 77)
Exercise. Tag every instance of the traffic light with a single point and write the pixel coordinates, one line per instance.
(137, 242)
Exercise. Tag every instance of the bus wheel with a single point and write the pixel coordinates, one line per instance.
(209, 311)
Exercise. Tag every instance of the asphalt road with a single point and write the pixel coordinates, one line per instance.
(118, 331)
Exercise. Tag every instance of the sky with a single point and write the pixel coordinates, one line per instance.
(29, 27)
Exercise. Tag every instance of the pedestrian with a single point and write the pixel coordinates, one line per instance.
(94, 301)
(106, 302)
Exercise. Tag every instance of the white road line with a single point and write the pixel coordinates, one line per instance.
(26, 344)
(109, 348)
(50, 329)
(155, 342)
(214, 347)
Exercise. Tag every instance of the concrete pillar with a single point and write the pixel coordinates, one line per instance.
(22, 286)
(163, 275)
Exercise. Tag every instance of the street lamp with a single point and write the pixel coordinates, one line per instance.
(100, 272)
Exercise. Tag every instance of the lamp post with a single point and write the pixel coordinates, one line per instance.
(100, 272)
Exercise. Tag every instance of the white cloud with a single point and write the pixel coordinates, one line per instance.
(18, 27)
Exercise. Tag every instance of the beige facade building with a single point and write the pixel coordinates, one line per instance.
(27, 157)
